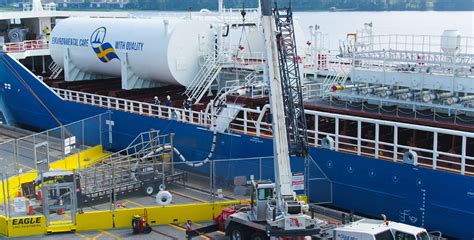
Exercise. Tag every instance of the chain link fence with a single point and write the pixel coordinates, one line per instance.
(22, 160)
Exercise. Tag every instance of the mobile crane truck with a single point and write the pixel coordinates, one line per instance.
(275, 211)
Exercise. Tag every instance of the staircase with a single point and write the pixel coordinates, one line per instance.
(226, 112)
(202, 82)
(115, 169)
(55, 69)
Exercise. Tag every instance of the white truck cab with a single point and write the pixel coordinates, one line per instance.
(368, 229)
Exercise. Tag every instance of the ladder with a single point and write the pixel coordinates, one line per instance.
(55, 70)
(205, 77)
(291, 82)
(337, 77)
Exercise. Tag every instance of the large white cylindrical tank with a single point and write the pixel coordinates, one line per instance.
(158, 49)
(450, 41)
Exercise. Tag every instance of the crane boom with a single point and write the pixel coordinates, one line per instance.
(280, 136)
(291, 81)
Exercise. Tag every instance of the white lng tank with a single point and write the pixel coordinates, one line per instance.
(158, 49)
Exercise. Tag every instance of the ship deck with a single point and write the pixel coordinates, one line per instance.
(112, 88)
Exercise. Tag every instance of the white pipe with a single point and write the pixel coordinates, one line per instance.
(436, 96)
(454, 100)
(398, 91)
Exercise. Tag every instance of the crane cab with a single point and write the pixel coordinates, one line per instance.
(262, 194)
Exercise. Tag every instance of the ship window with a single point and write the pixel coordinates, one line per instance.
(404, 236)
(265, 193)
(385, 235)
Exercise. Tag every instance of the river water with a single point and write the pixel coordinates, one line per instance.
(338, 24)
(335, 25)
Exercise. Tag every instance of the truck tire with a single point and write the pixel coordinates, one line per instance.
(238, 233)
(259, 235)
(149, 189)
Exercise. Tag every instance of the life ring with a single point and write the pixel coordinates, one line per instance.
(163, 198)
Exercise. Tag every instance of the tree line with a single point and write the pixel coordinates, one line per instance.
(298, 5)
(311, 5)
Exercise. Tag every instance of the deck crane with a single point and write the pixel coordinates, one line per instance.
(288, 119)
(275, 209)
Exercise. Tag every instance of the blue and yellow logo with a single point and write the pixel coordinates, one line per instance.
(104, 50)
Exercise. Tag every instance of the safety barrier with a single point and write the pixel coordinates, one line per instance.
(24, 226)
(3, 226)
(36, 225)
(199, 212)
(95, 220)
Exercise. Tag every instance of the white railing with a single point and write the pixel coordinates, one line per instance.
(142, 108)
(26, 45)
(403, 42)
(312, 90)
(233, 15)
(256, 122)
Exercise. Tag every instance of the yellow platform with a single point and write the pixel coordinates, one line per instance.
(83, 159)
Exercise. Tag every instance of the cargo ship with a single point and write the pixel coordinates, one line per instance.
(390, 120)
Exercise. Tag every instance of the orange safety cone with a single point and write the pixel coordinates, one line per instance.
(39, 195)
(31, 210)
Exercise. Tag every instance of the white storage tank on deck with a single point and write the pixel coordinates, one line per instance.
(159, 49)
(450, 41)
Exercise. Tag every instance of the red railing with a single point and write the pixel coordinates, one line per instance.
(26, 45)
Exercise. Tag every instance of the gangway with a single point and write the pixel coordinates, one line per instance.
(142, 167)
(226, 116)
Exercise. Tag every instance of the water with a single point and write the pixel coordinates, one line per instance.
(337, 24)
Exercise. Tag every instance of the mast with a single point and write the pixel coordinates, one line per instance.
(36, 6)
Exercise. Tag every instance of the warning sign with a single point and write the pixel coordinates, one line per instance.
(298, 181)
(19, 203)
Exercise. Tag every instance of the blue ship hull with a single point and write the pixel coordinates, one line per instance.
(418, 196)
